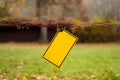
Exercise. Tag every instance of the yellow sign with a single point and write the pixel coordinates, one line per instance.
(60, 47)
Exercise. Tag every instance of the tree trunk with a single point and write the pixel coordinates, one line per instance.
(44, 34)
(43, 31)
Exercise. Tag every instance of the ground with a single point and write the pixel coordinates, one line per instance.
(19, 61)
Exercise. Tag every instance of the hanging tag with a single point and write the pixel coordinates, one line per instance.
(59, 47)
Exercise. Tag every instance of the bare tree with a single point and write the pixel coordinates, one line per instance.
(109, 8)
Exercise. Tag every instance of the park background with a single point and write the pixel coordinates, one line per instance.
(94, 57)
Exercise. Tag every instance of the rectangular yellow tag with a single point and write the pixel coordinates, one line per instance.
(60, 47)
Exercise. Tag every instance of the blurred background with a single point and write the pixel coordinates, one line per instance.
(103, 15)
(94, 22)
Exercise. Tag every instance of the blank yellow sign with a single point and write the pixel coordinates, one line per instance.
(60, 47)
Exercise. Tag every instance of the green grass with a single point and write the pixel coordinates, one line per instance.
(85, 61)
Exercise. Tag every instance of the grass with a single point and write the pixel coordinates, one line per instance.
(85, 61)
